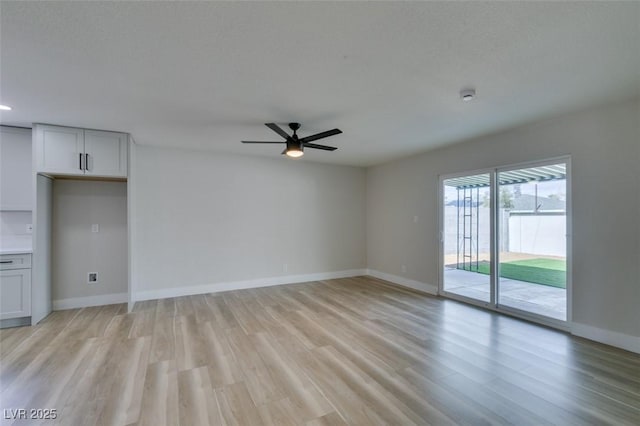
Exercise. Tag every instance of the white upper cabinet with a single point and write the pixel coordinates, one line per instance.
(80, 152)
(59, 150)
(106, 153)
(16, 182)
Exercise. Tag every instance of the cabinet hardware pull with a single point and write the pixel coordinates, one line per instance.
(80, 160)
(86, 162)
(6, 261)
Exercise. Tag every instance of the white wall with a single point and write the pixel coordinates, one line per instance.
(204, 219)
(41, 276)
(14, 223)
(604, 144)
(76, 250)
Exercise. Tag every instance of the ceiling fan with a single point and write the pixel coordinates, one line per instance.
(295, 145)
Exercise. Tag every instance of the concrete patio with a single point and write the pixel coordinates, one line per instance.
(535, 298)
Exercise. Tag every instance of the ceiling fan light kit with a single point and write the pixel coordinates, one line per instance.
(295, 145)
(294, 151)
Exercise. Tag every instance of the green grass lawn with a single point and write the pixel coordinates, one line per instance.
(551, 272)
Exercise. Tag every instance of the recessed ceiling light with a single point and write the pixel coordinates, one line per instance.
(5, 108)
(467, 94)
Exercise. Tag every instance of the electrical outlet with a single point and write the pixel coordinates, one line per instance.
(95, 228)
(29, 228)
(92, 278)
(415, 219)
(403, 268)
(285, 267)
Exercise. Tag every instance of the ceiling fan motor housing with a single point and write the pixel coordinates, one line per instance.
(294, 144)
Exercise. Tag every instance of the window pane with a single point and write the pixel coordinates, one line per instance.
(467, 236)
(532, 240)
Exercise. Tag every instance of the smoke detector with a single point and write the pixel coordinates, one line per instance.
(467, 94)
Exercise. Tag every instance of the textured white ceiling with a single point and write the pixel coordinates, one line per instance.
(207, 75)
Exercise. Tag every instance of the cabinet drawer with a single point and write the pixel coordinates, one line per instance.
(15, 261)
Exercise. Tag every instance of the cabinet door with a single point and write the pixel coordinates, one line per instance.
(58, 149)
(16, 182)
(106, 153)
(15, 293)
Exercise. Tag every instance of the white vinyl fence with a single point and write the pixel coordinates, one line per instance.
(521, 232)
(543, 234)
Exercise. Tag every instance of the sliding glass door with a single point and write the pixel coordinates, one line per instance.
(467, 236)
(532, 219)
(504, 239)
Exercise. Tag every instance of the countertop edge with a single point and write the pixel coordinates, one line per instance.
(16, 251)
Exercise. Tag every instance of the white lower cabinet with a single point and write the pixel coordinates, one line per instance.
(15, 286)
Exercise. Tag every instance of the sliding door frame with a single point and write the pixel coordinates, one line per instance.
(492, 200)
(494, 230)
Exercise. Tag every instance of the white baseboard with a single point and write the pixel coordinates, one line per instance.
(620, 340)
(85, 302)
(240, 285)
(404, 282)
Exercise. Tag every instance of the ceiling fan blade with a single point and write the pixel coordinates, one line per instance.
(263, 142)
(278, 130)
(321, 135)
(323, 147)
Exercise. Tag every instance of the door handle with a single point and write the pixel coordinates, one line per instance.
(86, 162)
(80, 165)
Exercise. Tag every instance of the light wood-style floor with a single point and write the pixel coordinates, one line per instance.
(348, 351)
